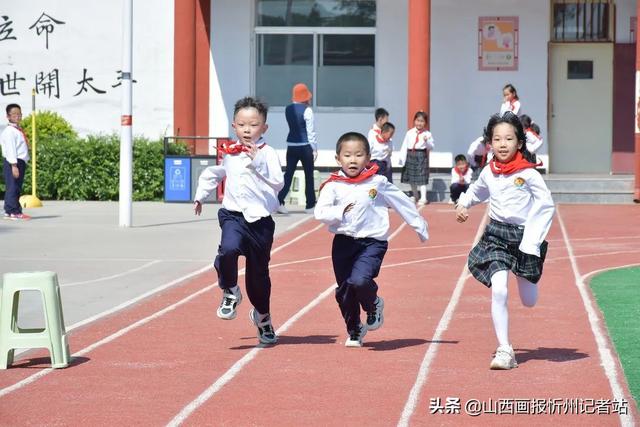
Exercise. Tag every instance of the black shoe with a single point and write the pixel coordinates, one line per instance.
(355, 338)
(375, 319)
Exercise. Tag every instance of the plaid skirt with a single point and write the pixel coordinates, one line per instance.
(416, 168)
(498, 250)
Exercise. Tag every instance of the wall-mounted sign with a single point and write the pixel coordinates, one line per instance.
(498, 43)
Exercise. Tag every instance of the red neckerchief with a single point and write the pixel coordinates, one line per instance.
(236, 147)
(516, 164)
(418, 133)
(379, 137)
(532, 132)
(512, 103)
(365, 173)
(24, 135)
(463, 173)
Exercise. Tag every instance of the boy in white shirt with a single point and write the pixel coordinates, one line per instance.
(521, 210)
(460, 178)
(381, 146)
(15, 150)
(354, 203)
(253, 178)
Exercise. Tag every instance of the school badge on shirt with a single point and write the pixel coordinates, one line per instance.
(373, 193)
(518, 182)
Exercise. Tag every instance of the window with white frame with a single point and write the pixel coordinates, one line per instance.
(327, 44)
(582, 21)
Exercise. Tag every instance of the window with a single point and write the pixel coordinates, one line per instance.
(576, 21)
(327, 44)
(579, 70)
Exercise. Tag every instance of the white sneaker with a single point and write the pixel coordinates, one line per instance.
(422, 202)
(282, 210)
(266, 334)
(355, 339)
(310, 210)
(231, 299)
(375, 318)
(504, 358)
(451, 202)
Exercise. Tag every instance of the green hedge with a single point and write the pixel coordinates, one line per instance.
(73, 168)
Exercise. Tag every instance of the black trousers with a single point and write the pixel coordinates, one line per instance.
(13, 187)
(304, 154)
(456, 189)
(356, 262)
(384, 168)
(253, 240)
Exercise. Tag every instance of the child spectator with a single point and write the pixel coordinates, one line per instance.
(381, 146)
(15, 150)
(414, 157)
(460, 178)
(511, 101)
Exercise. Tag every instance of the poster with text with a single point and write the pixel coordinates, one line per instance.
(498, 43)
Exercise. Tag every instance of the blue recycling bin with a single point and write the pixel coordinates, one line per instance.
(177, 179)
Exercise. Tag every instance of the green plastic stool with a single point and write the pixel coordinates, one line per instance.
(52, 337)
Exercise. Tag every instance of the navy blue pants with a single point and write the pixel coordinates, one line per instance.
(253, 240)
(13, 187)
(302, 154)
(456, 189)
(356, 262)
(384, 168)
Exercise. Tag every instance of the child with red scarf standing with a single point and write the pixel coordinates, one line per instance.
(511, 100)
(253, 178)
(354, 203)
(461, 175)
(520, 212)
(414, 157)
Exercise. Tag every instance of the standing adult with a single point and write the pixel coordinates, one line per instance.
(301, 145)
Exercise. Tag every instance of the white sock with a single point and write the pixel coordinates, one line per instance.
(423, 193)
(414, 190)
(528, 292)
(499, 312)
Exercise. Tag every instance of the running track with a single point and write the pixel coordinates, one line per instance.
(168, 360)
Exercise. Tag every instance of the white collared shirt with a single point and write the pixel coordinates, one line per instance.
(379, 150)
(514, 107)
(425, 142)
(14, 146)
(251, 186)
(369, 216)
(534, 142)
(455, 178)
(521, 198)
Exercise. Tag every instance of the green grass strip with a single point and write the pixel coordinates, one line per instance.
(618, 295)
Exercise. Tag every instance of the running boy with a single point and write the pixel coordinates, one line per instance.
(253, 178)
(520, 210)
(353, 202)
(460, 178)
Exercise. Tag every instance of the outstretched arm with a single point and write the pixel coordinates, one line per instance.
(407, 210)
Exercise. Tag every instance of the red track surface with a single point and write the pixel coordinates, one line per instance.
(149, 374)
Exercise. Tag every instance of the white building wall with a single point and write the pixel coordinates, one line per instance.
(91, 38)
(462, 97)
(232, 75)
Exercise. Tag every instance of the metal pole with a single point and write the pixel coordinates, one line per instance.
(33, 142)
(126, 144)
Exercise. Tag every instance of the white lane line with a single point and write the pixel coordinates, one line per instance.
(606, 354)
(114, 276)
(299, 222)
(237, 367)
(443, 324)
(138, 323)
(242, 362)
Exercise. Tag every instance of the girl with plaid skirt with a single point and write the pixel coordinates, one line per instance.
(520, 212)
(414, 157)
